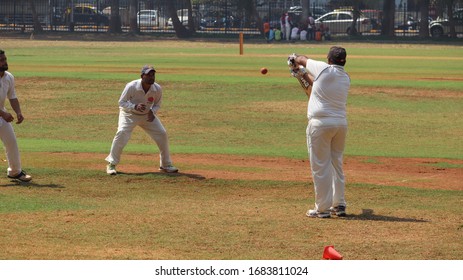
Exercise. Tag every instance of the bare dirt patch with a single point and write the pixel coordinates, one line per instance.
(406, 92)
(423, 173)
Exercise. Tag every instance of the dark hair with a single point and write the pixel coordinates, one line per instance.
(2, 51)
(337, 55)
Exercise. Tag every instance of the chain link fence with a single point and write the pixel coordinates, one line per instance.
(212, 17)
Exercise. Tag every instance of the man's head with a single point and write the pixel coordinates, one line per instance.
(3, 62)
(147, 74)
(337, 55)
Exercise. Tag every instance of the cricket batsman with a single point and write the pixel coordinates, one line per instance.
(327, 129)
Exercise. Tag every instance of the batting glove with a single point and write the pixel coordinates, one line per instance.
(298, 72)
(292, 60)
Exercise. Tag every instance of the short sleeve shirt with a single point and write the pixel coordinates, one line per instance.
(329, 90)
(7, 89)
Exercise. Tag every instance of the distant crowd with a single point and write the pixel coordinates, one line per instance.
(290, 32)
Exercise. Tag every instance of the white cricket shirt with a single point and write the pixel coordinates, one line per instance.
(7, 89)
(134, 94)
(329, 90)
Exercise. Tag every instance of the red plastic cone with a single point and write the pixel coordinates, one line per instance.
(331, 254)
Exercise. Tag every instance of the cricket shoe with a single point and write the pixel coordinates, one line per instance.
(22, 176)
(111, 169)
(339, 211)
(168, 169)
(315, 214)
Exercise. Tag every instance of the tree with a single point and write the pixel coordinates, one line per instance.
(249, 8)
(191, 19)
(356, 15)
(115, 19)
(450, 7)
(35, 18)
(133, 8)
(255, 15)
(387, 22)
(424, 24)
(305, 12)
(180, 30)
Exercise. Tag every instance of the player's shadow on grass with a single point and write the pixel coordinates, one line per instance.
(164, 174)
(368, 215)
(31, 184)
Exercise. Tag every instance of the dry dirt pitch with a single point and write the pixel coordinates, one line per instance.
(408, 172)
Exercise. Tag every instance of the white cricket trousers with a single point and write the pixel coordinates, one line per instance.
(155, 129)
(326, 139)
(11, 148)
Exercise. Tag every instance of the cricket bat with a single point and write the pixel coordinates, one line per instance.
(306, 82)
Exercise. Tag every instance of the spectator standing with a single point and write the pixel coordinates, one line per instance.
(287, 27)
(283, 25)
(310, 28)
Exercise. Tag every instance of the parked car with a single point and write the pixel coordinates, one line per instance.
(441, 27)
(375, 17)
(183, 17)
(341, 22)
(315, 11)
(86, 14)
(409, 24)
(147, 18)
(219, 20)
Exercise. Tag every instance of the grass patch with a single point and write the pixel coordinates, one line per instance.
(156, 216)
(217, 102)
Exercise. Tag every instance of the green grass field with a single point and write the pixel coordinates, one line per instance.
(406, 101)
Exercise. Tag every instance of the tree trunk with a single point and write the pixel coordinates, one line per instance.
(180, 30)
(356, 14)
(453, 33)
(133, 9)
(254, 14)
(115, 20)
(305, 12)
(424, 24)
(388, 18)
(191, 19)
(37, 26)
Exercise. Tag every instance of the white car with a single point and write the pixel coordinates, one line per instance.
(441, 27)
(183, 17)
(341, 21)
(147, 18)
(183, 20)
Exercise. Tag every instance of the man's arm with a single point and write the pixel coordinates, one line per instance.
(17, 108)
(301, 60)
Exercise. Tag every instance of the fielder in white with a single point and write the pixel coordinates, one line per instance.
(139, 102)
(327, 130)
(7, 90)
